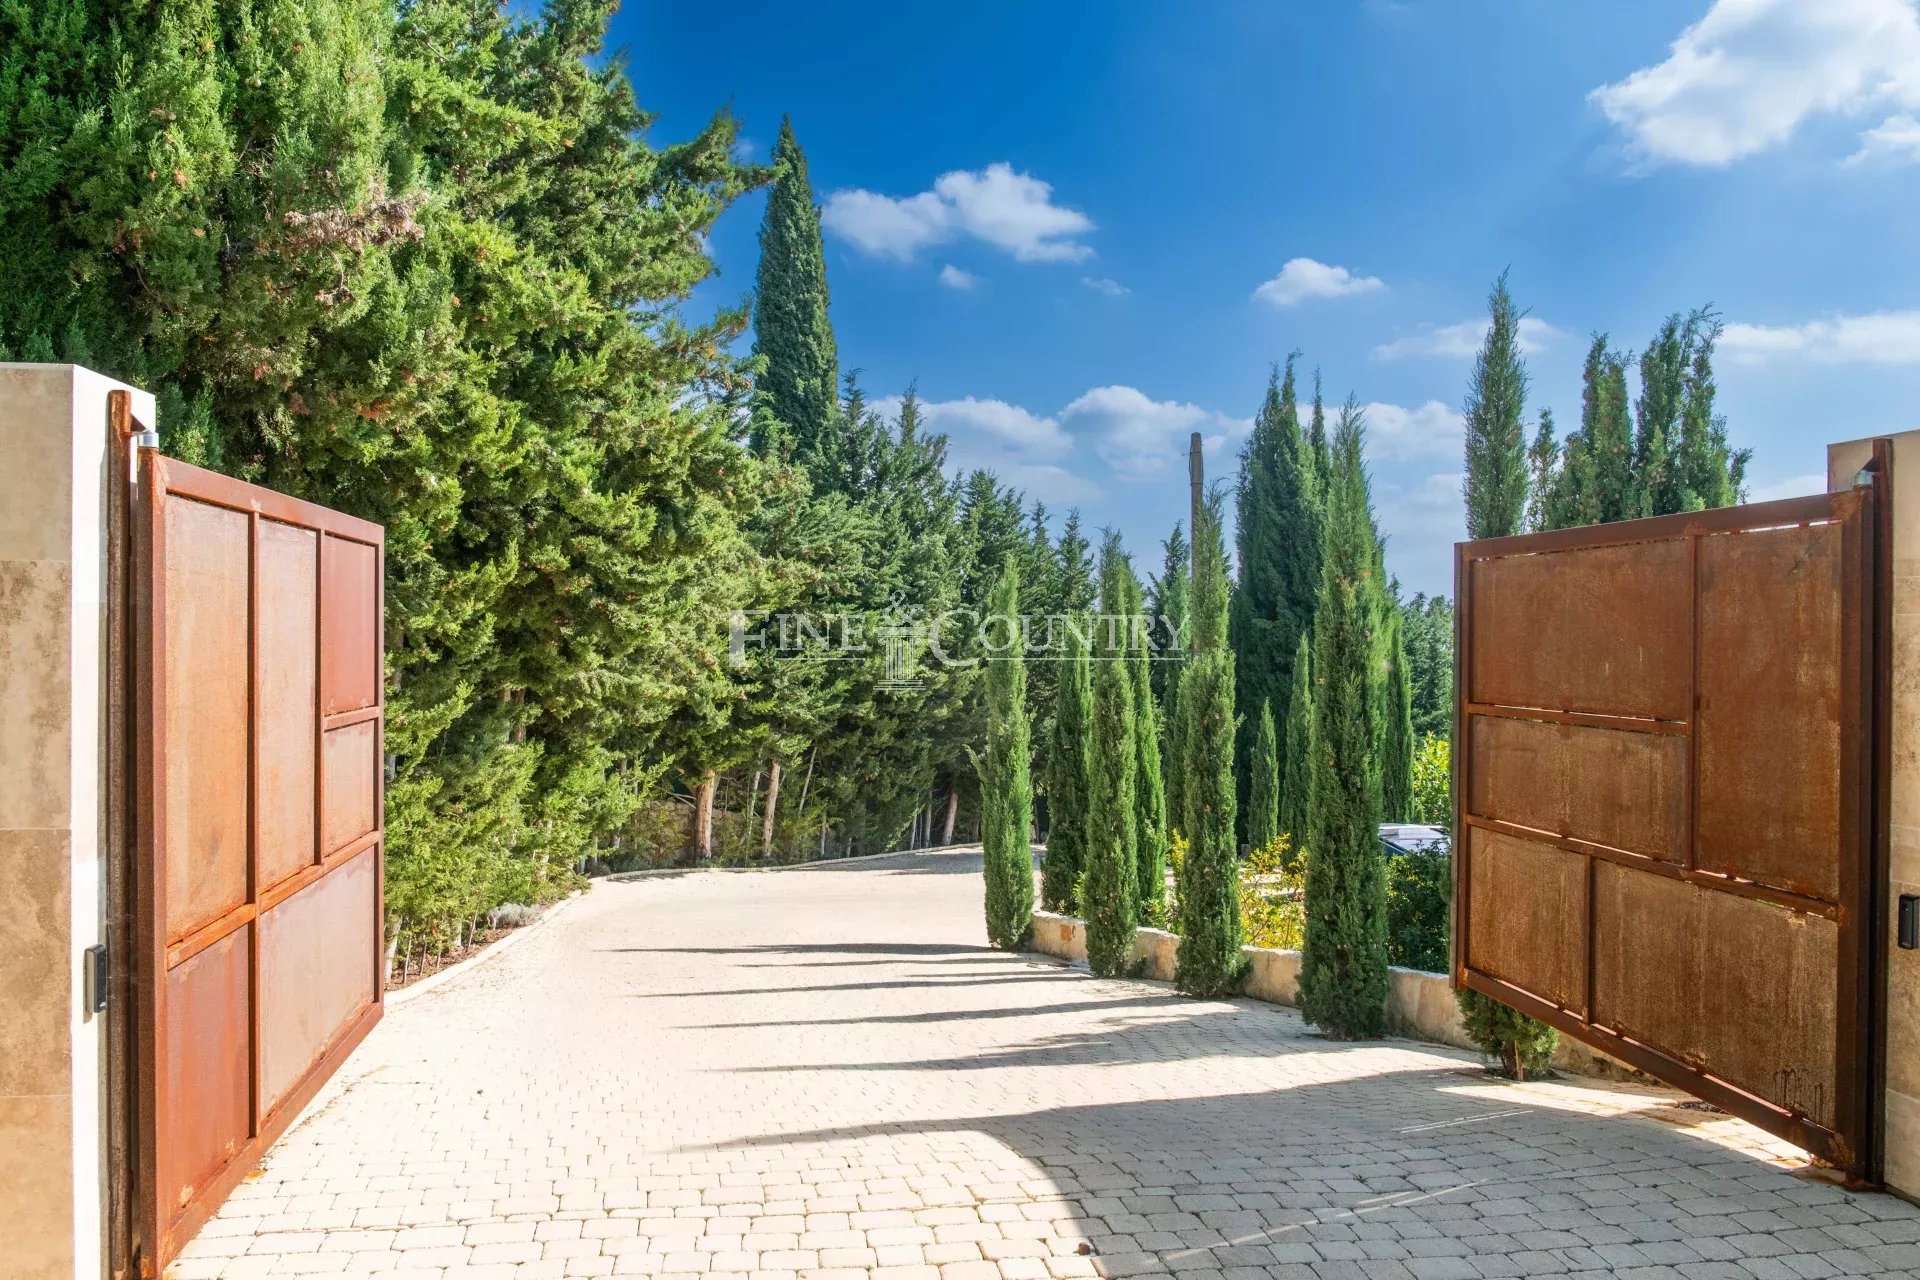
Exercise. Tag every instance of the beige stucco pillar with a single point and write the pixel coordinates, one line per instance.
(1844, 462)
(53, 486)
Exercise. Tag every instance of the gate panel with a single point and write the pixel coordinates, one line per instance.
(1667, 800)
(205, 755)
(256, 898)
(1600, 630)
(349, 766)
(207, 1074)
(288, 732)
(313, 949)
(1770, 618)
(1531, 901)
(1624, 790)
(1740, 986)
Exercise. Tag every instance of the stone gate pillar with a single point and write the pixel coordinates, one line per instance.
(54, 482)
(1902, 1132)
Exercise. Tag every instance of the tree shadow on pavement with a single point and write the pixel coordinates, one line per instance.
(1370, 1168)
(902, 949)
(940, 1015)
(901, 984)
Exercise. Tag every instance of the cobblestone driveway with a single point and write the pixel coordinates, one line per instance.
(824, 1074)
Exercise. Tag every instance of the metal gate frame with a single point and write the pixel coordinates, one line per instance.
(159, 1224)
(1853, 1143)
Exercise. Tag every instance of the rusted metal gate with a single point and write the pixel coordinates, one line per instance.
(258, 804)
(1669, 792)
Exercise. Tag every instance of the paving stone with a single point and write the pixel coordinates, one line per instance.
(825, 1073)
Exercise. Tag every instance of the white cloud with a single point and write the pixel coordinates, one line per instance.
(1100, 284)
(1303, 278)
(1462, 340)
(1005, 424)
(1746, 75)
(1016, 212)
(1029, 451)
(1895, 140)
(1886, 337)
(1792, 487)
(1011, 211)
(1141, 437)
(1046, 455)
(1048, 482)
(954, 278)
(1395, 433)
(885, 227)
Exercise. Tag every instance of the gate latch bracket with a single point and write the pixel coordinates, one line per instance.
(94, 978)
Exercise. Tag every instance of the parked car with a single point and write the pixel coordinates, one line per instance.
(1409, 837)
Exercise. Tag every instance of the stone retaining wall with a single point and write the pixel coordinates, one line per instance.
(1420, 1006)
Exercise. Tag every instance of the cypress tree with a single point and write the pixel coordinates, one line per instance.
(1167, 605)
(1210, 929)
(1173, 762)
(1542, 455)
(1278, 538)
(1318, 447)
(1656, 434)
(1263, 823)
(1427, 625)
(800, 372)
(1594, 482)
(1297, 766)
(1497, 1028)
(1114, 642)
(1069, 781)
(1040, 592)
(1109, 897)
(1496, 487)
(1150, 796)
(1343, 966)
(1710, 473)
(1170, 609)
(1396, 743)
(1666, 452)
(1006, 797)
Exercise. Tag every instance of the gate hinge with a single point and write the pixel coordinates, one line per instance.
(94, 978)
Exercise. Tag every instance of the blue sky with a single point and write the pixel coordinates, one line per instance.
(1088, 229)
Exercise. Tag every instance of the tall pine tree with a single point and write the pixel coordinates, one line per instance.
(287, 243)
(1077, 590)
